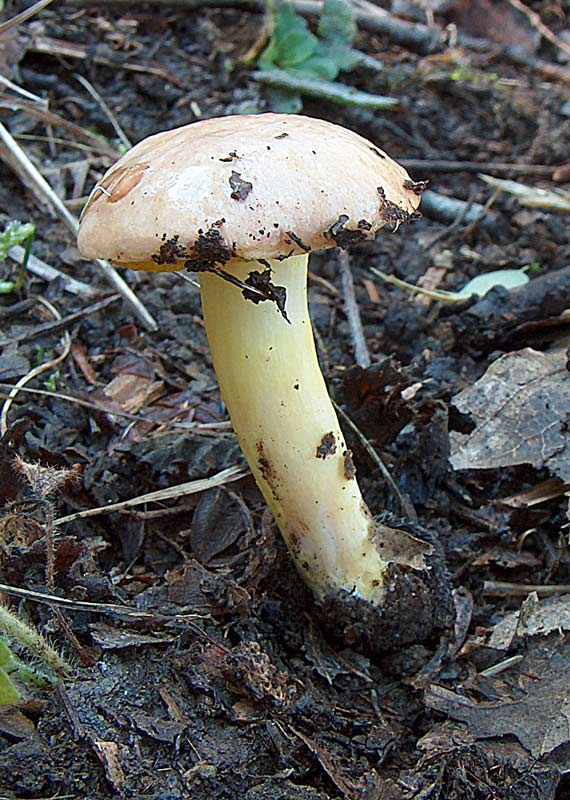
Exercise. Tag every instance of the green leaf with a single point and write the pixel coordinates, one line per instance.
(14, 233)
(344, 57)
(51, 383)
(337, 24)
(317, 67)
(283, 101)
(8, 692)
(7, 287)
(291, 42)
(295, 47)
(324, 90)
(297, 63)
(481, 284)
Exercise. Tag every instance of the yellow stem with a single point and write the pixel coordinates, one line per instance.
(277, 399)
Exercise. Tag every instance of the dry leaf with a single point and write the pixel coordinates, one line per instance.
(540, 719)
(534, 618)
(520, 408)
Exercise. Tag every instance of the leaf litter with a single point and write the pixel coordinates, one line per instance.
(220, 682)
(520, 409)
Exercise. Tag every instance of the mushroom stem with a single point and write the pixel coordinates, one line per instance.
(280, 409)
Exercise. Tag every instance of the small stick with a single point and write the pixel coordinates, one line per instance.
(192, 487)
(22, 92)
(352, 311)
(441, 165)
(505, 589)
(419, 37)
(111, 609)
(452, 210)
(60, 322)
(121, 135)
(23, 16)
(374, 456)
(486, 325)
(48, 273)
(463, 210)
(537, 23)
(52, 120)
(43, 191)
(501, 666)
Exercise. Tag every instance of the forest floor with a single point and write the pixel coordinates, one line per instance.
(200, 669)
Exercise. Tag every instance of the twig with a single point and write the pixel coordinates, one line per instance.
(96, 143)
(501, 666)
(110, 609)
(121, 135)
(374, 456)
(67, 49)
(20, 161)
(20, 307)
(451, 209)
(23, 16)
(433, 294)
(18, 90)
(543, 29)
(35, 371)
(442, 165)
(505, 589)
(48, 273)
(192, 487)
(60, 322)
(533, 196)
(73, 717)
(361, 354)
(416, 36)
(443, 205)
(487, 325)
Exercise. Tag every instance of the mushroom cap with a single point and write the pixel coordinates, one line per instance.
(250, 187)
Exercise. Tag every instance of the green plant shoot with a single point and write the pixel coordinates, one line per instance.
(16, 233)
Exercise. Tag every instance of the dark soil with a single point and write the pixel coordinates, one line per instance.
(223, 682)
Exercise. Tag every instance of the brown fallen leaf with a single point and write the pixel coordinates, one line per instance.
(81, 359)
(133, 392)
(111, 638)
(540, 719)
(520, 408)
(109, 755)
(506, 558)
(329, 764)
(14, 724)
(534, 618)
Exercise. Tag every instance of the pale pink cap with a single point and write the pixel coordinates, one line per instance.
(250, 187)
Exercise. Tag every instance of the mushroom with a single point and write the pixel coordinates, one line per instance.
(243, 200)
